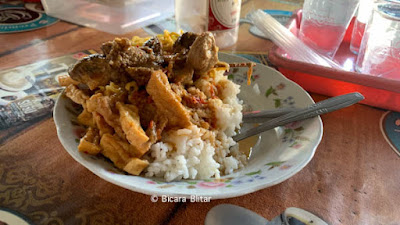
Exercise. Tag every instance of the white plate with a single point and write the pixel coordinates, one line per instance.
(15, 81)
(281, 154)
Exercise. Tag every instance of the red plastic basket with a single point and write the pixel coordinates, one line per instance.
(378, 91)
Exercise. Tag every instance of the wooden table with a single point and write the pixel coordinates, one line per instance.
(354, 177)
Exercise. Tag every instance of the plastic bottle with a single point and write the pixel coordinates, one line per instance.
(221, 17)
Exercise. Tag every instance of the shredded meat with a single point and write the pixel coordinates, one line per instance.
(121, 53)
(154, 44)
(140, 74)
(183, 75)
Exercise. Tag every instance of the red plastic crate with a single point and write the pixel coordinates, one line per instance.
(378, 91)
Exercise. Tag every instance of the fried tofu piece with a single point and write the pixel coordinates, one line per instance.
(90, 142)
(135, 166)
(86, 118)
(76, 95)
(65, 80)
(101, 124)
(167, 101)
(115, 149)
(130, 123)
(112, 149)
(88, 147)
(102, 105)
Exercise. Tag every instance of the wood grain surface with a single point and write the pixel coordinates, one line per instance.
(354, 177)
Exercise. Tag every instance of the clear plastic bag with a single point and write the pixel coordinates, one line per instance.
(287, 41)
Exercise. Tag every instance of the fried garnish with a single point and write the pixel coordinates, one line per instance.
(166, 100)
(76, 95)
(130, 123)
(90, 142)
(250, 65)
(102, 105)
(86, 118)
(65, 80)
(113, 150)
(135, 166)
(101, 124)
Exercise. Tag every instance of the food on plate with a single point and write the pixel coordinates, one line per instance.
(159, 106)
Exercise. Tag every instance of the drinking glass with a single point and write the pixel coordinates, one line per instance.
(379, 53)
(324, 23)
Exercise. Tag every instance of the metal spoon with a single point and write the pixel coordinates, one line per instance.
(264, 115)
(319, 108)
(235, 215)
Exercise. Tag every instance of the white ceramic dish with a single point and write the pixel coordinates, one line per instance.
(281, 153)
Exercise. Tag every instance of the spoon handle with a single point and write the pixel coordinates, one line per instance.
(262, 116)
(322, 107)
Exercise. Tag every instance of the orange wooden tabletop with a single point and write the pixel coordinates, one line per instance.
(354, 177)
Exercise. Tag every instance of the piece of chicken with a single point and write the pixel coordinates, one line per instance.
(203, 53)
(183, 43)
(121, 54)
(93, 71)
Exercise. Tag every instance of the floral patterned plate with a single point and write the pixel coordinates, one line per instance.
(280, 154)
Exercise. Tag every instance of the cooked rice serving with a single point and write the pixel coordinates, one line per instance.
(198, 153)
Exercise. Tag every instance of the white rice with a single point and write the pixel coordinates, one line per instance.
(198, 153)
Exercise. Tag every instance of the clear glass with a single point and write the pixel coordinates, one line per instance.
(380, 48)
(324, 23)
(364, 12)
